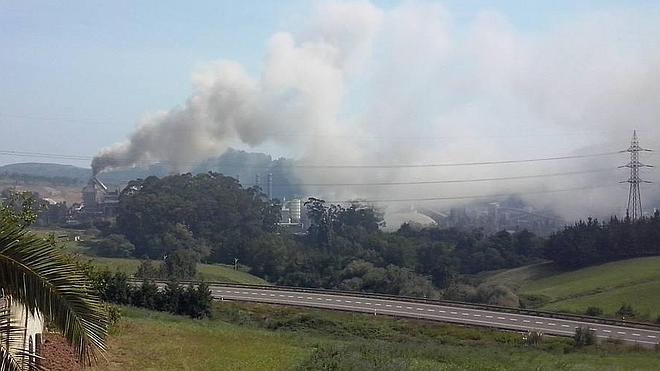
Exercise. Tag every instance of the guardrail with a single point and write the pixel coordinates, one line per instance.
(460, 304)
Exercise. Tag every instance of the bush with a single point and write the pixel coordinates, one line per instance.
(625, 311)
(533, 338)
(584, 337)
(147, 269)
(594, 311)
(112, 246)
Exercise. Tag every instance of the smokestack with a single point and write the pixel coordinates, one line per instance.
(270, 185)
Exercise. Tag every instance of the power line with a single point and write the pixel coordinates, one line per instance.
(316, 166)
(447, 181)
(467, 197)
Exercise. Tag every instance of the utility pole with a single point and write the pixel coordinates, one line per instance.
(634, 209)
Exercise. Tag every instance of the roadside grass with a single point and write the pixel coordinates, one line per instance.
(244, 336)
(207, 272)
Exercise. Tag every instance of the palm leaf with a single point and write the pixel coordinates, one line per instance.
(11, 359)
(36, 274)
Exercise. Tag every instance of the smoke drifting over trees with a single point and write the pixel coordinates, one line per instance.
(359, 84)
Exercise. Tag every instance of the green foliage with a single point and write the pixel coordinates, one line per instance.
(594, 311)
(112, 246)
(533, 338)
(180, 265)
(584, 336)
(626, 311)
(592, 242)
(38, 275)
(193, 300)
(160, 216)
(148, 270)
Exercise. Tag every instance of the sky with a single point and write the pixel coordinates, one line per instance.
(335, 82)
(75, 76)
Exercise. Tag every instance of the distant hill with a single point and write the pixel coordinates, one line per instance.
(244, 165)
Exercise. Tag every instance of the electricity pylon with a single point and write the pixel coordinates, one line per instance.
(634, 209)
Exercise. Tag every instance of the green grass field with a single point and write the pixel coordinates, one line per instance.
(632, 281)
(266, 337)
(208, 272)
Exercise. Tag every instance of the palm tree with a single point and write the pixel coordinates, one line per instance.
(37, 275)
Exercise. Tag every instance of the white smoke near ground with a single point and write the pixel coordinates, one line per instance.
(360, 84)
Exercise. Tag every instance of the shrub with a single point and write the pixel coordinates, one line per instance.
(584, 336)
(594, 311)
(626, 310)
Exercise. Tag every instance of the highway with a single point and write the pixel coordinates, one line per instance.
(432, 311)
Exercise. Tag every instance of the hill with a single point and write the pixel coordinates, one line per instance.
(608, 286)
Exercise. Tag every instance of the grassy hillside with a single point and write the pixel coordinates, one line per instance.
(266, 337)
(633, 281)
(208, 272)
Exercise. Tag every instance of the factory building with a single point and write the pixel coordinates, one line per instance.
(98, 201)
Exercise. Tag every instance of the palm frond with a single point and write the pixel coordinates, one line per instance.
(12, 356)
(36, 274)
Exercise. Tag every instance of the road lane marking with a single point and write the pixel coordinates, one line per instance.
(409, 308)
(328, 299)
(551, 324)
(442, 311)
(608, 331)
(465, 314)
(367, 303)
(338, 301)
(377, 304)
(289, 296)
(526, 320)
(501, 318)
(299, 297)
(487, 316)
(620, 333)
(419, 308)
(431, 310)
(453, 312)
(348, 301)
(513, 319)
(319, 298)
(398, 306)
(358, 302)
(636, 334)
(388, 305)
(477, 315)
(254, 293)
(650, 336)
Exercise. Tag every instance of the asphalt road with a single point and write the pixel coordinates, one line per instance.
(434, 312)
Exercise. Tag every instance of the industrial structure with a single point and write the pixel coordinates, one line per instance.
(98, 201)
(634, 208)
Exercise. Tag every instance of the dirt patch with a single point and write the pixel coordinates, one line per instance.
(58, 354)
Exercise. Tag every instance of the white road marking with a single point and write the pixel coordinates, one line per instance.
(377, 304)
(501, 318)
(431, 310)
(319, 298)
(271, 294)
(358, 302)
(281, 295)
(388, 305)
(338, 301)
(367, 303)
(620, 333)
(453, 312)
(477, 315)
(636, 334)
(409, 308)
(328, 299)
(526, 321)
(489, 316)
(551, 324)
(608, 331)
(442, 311)
(299, 297)
(348, 301)
(650, 336)
(419, 308)
(513, 319)
(254, 293)
(465, 314)
(538, 323)
(289, 296)
(398, 306)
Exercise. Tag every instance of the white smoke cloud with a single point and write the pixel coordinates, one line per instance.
(361, 85)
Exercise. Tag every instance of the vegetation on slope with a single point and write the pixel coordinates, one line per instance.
(267, 337)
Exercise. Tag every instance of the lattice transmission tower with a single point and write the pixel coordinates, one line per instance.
(634, 209)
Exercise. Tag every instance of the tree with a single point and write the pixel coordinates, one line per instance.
(584, 336)
(34, 273)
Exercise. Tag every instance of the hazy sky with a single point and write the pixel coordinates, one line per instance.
(75, 76)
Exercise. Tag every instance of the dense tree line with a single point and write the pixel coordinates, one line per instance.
(592, 242)
(193, 300)
(212, 218)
